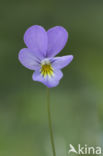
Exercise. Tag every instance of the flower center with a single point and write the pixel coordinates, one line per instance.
(46, 69)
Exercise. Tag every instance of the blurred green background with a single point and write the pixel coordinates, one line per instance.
(76, 104)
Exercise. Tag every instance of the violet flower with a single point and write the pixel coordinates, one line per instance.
(42, 46)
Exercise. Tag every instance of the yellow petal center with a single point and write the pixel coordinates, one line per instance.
(46, 70)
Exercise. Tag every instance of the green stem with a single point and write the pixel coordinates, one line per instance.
(50, 122)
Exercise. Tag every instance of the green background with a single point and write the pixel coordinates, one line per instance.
(76, 104)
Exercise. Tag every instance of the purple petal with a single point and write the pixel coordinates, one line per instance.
(61, 62)
(36, 39)
(48, 81)
(57, 38)
(28, 59)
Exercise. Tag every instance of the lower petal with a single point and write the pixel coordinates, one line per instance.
(50, 82)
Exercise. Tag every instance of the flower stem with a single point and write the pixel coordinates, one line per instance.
(50, 122)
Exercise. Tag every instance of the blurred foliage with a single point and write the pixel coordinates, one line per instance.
(76, 104)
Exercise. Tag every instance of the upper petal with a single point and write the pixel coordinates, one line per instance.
(36, 39)
(61, 62)
(48, 81)
(28, 59)
(57, 38)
